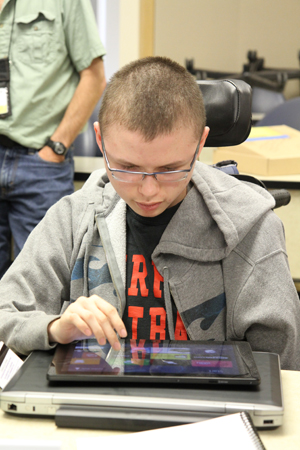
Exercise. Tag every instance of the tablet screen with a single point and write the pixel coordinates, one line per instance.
(155, 361)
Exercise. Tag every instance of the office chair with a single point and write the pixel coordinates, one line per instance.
(228, 111)
(264, 100)
(254, 72)
(288, 113)
(228, 105)
(267, 83)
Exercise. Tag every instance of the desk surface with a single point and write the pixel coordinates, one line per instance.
(285, 437)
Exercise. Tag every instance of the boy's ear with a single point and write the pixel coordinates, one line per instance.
(97, 134)
(203, 138)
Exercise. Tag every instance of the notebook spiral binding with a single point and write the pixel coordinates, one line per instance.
(246, 418)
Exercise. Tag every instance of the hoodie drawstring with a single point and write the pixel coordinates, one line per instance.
(168, 304)
(89, 240)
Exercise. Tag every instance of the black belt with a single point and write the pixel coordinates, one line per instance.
(7, 142)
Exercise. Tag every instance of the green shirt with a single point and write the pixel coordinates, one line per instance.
(50, 42)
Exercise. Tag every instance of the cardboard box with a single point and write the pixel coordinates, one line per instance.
(273, 150)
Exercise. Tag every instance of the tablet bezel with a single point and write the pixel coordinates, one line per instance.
(64, 353)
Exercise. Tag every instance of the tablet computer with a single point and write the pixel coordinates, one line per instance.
(140, 361)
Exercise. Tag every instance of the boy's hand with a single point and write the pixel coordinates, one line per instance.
(88, 317)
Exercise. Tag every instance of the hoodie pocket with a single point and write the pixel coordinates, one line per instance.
(36, 38)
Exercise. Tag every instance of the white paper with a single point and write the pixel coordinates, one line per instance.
(10, 365)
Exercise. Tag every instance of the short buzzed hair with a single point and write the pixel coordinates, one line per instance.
(153, 96)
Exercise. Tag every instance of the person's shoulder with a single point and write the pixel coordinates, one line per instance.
(219, 182)
(265, 238)
(215, 178)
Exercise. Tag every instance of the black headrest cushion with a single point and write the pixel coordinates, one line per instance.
(228, 106)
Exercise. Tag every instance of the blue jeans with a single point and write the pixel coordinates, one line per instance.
(29, 186)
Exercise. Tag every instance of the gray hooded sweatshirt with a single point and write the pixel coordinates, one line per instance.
(222, 256)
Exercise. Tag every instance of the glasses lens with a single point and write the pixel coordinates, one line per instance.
(127, 177)
(170, 177)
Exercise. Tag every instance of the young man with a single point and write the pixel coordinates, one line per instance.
(158, 246)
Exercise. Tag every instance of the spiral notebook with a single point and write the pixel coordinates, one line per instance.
(232, 432)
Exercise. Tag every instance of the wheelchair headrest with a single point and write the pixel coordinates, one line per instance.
(228, 105)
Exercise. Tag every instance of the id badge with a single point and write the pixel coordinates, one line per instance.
(5, 108)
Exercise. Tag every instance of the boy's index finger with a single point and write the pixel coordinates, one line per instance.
(112, 313)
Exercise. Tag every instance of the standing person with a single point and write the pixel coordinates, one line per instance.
(51, 78)
(157, 246)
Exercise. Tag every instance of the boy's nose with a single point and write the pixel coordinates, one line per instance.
(149, 186)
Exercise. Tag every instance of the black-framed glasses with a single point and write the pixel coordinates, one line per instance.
(128, 176)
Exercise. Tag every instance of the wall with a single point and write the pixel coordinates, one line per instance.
(218, 33)
(119, 28)
(129, 30)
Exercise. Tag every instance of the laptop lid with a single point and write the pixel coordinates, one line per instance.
(140, 407)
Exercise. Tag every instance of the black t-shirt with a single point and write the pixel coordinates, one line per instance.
(145, 313)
